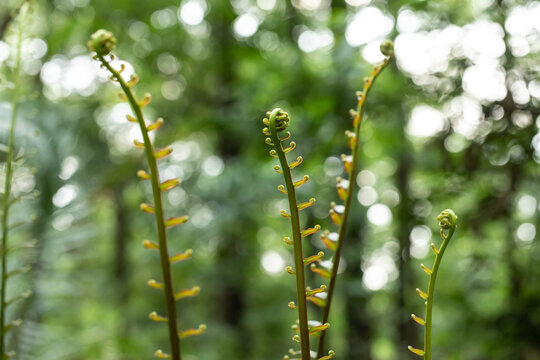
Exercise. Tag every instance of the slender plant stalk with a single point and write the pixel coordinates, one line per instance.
(297, 238)
(7, 192)
(277, 121)
(160, 219)
(102, 43)
(352, 168)
(447, 221)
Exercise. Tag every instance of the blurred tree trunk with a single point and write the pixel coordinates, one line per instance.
(121, 263)
(407, 330)
(121, 236)
(359, 328)
(230, 308)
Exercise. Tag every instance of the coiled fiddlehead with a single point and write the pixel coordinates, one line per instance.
(345, 188)
(277, 122)
(9, 199)
(102, 43)
(447, 221)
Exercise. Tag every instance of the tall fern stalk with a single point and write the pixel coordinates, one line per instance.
(447, 221)
(7, 195)
(345, 193)
(277, 122)
(102, 43)
(295, 228)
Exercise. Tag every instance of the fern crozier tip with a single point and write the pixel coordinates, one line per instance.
(387, 48)
(102, 42)
(281, 117)
(447, 219)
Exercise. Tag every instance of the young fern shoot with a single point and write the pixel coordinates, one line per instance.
(8, 200)
(102, 43)
(340, 213)
(277, 122)
(447, 221)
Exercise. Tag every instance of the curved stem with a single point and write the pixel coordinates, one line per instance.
(352, 180)
(431, 292)
(297, 241)
(7, 193)
(158, 206)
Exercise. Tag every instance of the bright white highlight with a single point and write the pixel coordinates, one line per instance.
(523, 20)
(368, 24)
(64, 196)
(375, 278)
(526, 232)
(367, 196)
(420, 239)
(379, 269)
(466, 116)
(372, 52)
(366, 178)
(272, 262)
(425, 121)
(527, 206)
(266, 4)
(426, 53)
(483, 40)
(357, 2)
(246, 25)
(310, 5)
(408, 21)
(192, 12)
(37, 48)
(69, 167)
(63, 77)
(310, 41)
(485, 82)
(379, 214)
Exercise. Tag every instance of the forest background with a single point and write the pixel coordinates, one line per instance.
(453, 123)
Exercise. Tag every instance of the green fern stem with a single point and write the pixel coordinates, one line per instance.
(296, 235)
(358, 117)
(7, 193)
(431, 291)
(448, 221)
(158, 207)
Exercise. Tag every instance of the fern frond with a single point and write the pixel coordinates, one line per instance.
(102, 43)
(276, 122)
(447, 222)
(345, 188)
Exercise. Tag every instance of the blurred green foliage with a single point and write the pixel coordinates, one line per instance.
(453, 124)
